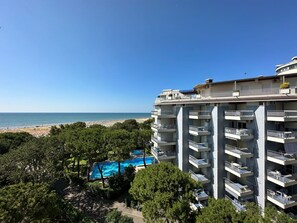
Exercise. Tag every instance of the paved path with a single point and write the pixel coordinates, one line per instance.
(136, 215)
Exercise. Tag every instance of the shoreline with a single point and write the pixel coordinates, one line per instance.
(43, 130)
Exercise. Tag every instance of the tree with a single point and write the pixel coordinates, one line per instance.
(272, 215)
(35, 203)
(165, 193)
(119, 144)
(94, 147)
(116, 216)
(10, 141)
(220, 210)
(142, 138)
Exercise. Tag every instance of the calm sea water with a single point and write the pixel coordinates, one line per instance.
(14, 120)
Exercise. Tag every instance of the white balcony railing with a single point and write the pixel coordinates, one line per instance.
(281, 157)
(238, 152)
(242, 134)
(199, 114)
(281, 199)
(237, 188)
(160, 141)
(200, 194)
(282, 180)
(198, 163)
(237, 204)
(239, 115)
(199, 177)
(282, 115)
(199, 131)
(159, 154)
(239, 169)
(199, 147)
(164, 126)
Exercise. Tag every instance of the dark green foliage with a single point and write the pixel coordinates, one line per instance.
(273, 215)
(35, 202)
(164, 191)
(116, 216)
(146, 124)
(218, 211)
(10, 141)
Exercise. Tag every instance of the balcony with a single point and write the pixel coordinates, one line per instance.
(163, 155)
(198, 131)
(238, 152)
(199, 177)
(198, 147)
(163, 128)
(239, 115)
(280, 199)
(196, 206)
(237, 190)
(281, 158)
(282, 116)
(237, 169)
(163, 114)
(199, 115)
(281, 136)
(162, 142)
(241, 134)
(200, 194)
(236, 203)
(198, 163)
(282, 180)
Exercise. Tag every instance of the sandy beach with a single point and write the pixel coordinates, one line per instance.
(38, 131)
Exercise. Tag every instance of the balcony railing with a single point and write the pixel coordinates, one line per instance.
(200, 194)
(162, 141)
(282, 134)
(162, 154)
(237, 204)
(199, 115)
(241, 170)
(282, 180)
(238, 133)
(159, 126)
(199, 147)
(199, 177)
(241, 190)
(239, 115)
(201, 130)
(281, 199)
(238, 152)
(282, 115)
(281, 158)
(198, 163)
(162, 113)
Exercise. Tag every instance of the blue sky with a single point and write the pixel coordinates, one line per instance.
(117, 55)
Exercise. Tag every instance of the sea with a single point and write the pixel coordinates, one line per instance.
(18, 120)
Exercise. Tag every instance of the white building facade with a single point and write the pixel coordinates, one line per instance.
(238, 138)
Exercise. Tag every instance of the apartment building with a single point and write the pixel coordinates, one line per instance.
(238, 137)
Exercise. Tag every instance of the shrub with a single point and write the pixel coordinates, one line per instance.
(116, 216)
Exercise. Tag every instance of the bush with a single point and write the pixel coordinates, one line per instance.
(116, 216)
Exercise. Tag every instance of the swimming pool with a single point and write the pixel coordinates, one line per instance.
(110, 168)
(137, 152)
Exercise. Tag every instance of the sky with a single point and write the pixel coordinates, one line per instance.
(118, 55)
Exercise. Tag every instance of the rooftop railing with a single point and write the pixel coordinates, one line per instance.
(237, 186)
(237, 167)
(240, 113)
(239, 151)
(281, 197)
(240, 132)
(282, 134)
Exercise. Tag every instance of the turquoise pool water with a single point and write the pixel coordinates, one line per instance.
(137, 152)
(110, 168)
